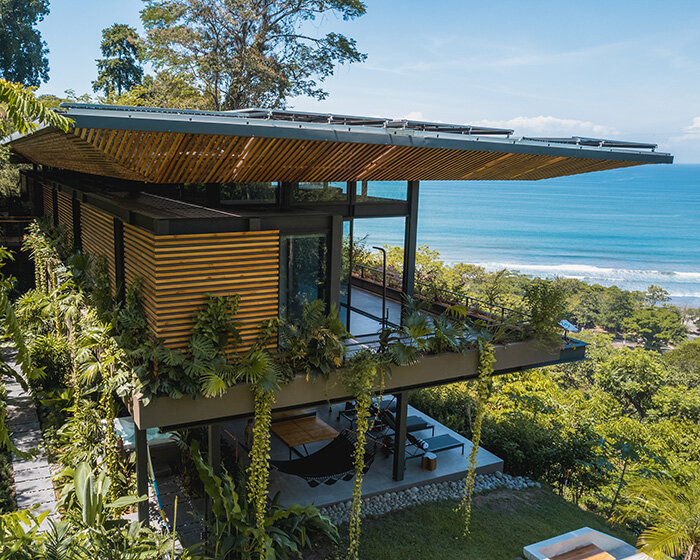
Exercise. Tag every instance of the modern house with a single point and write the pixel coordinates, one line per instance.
(258, 203)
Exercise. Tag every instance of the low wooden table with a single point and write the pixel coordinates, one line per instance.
(588, 552)
(298, 432)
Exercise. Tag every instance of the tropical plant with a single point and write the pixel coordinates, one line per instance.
(20, 111)
(360, 377)
(483, 388)
(315, 345)
(233, 530)
(674, 510)
(545, 303)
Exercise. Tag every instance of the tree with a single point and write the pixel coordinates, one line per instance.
(249, 53)
(615, 306)
(675, 512)
(686, 361)
(633, 376)
(164, 90)
(120, 70)
(22, 52)
(656, 326)
(656, 294)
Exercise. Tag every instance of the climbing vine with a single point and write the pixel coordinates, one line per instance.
(360, 376)
(483, 384)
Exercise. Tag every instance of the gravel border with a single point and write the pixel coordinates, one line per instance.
(381, 504)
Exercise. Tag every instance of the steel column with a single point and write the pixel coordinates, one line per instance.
(142, 473)
(335, 257)
(400, 435)
(408, 282)
(214, 447)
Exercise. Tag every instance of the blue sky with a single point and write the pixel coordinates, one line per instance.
(615, 68)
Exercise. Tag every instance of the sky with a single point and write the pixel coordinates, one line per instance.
(617, 69)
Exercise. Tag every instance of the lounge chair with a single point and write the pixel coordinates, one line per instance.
(434, 444)
(330, 464)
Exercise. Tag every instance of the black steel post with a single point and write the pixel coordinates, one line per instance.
(408, 282)
(384, 318)
(214, 447)
(335, 258)
(400, 435)
(142, 473)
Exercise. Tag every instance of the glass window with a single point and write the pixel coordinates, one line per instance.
(248, 193)
(302, 272)
(379, 191)
(321, 192)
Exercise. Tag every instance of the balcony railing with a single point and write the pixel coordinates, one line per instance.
(444, 298)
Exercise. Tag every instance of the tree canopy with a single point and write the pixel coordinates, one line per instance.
(120, 69)
(22, 52)
(249, 53)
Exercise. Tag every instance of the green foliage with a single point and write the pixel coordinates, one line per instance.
(22, 52)
(545, 304)
(483, 387)
(7, 498)
(51, 353)
(265, 56)
(314, 345)
(674, 511)
(233, 528)
(20, 111)
(91, 533)
(119, 70)
(656, 326)
(685, 362)
(360, 376)
(633, 376)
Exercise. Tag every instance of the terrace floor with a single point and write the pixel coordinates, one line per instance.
(451, 464)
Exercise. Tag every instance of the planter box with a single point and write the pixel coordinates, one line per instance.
(429, 371)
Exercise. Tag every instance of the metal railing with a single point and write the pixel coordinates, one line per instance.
(487, 310)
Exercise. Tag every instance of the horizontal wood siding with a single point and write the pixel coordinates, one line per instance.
(65, 212)
(97, 237)
(177, 271)
(48, 199)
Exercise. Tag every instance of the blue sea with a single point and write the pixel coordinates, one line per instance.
(628, 227)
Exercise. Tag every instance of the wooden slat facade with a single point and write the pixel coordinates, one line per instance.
(65, 212)
(47, 196)
(97, 237)
(175, 157)
(177, 271)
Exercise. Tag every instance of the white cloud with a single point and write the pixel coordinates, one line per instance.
(694, 128)
(414, 116)
(551, 126)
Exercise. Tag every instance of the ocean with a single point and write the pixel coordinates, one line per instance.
(627, 227)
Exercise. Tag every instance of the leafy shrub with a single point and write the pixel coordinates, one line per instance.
(52, 353)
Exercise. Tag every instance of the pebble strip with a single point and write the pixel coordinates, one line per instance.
(380, 504)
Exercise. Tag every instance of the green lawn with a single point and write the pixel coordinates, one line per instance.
(503, 522)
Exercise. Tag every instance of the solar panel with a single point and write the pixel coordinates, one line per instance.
(595, 142)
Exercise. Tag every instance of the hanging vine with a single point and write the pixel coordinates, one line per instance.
(360, 376)
(483, 384)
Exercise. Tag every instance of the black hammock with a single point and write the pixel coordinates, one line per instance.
(329, 464)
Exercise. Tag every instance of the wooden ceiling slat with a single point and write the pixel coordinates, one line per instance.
(166, 157)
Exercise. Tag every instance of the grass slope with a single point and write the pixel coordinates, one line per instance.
(503, 522)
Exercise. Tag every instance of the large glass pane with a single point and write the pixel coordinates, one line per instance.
(302, 272)
(248, 193)
(381, 191)
(321, 192)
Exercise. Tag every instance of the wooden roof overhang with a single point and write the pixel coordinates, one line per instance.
(168, 146)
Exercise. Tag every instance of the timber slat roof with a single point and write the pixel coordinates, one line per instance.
(170, 146)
